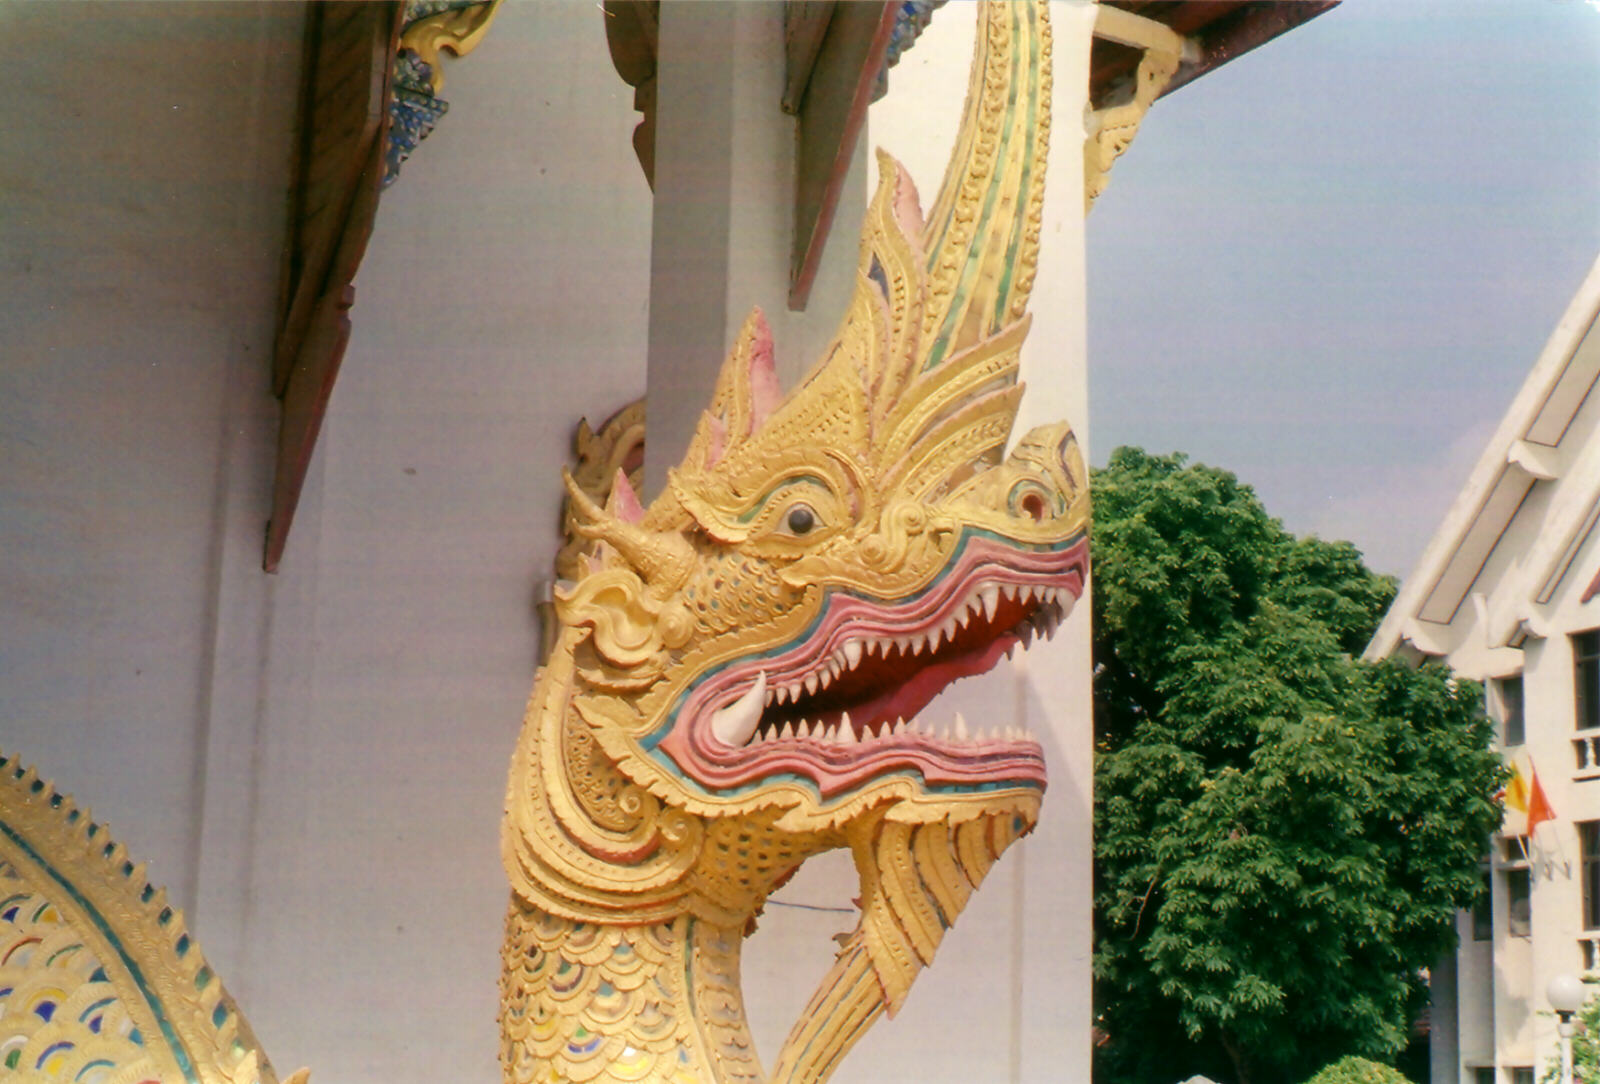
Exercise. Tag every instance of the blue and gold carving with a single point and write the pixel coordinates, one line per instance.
(429, 27)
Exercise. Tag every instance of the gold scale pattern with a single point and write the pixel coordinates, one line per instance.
(63, 1019)
(100, 981)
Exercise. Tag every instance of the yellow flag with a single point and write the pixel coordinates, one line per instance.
(1515, 794)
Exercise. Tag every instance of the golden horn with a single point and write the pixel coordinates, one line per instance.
(663, 558)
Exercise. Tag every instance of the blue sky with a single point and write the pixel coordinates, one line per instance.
(1328, 265)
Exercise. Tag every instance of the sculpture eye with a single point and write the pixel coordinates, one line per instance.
(1031, 501)
(797, 514)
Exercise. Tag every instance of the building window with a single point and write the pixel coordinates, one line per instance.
(1589, 871)
(1484, 1074)
(1483, 912)
(1586, 678)
(1519, 887)
(1522, 1074)
(1519, 903)
(1512, 730)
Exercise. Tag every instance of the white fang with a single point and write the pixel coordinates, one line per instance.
(734, 724)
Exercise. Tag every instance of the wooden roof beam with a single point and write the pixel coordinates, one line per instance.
(1138, 32)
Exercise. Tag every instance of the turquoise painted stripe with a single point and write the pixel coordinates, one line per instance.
(1020, 226)
(975, 249)
(179, 1054)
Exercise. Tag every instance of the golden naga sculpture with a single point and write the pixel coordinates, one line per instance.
(739, 668)
(734, 686)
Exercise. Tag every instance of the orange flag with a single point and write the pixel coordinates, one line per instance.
(1523, 794)
(1538, 806)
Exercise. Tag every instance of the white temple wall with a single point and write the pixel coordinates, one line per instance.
(504, 295)
(313, 761)
(141, 223)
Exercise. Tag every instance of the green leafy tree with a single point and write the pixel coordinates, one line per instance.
(1354, 1070)
(1282, 832)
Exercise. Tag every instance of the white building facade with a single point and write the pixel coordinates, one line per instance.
(1508, 593)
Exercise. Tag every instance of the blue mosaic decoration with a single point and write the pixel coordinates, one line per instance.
(909, 23)
(414, 105)
(413, 111)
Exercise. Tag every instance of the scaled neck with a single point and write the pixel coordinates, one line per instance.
(655, 1002)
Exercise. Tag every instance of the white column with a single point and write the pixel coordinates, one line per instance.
(1054, 940)
(1009, 997)
(723, 215)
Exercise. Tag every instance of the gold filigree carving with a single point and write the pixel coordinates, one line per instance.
(99, 968)
(1111, 128)
(457, 31)
(599, 457)
(618, 445)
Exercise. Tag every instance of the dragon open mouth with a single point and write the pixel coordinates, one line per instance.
(841, 705)
(872, 684)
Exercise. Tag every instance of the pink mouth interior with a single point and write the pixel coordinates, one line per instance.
(900, 683)
(881, 664)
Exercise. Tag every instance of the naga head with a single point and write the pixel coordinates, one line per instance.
(742, 666)
(822, 564)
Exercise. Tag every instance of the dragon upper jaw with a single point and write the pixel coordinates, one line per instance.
(783, 712)
(963, 644)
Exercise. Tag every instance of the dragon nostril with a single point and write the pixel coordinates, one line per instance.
(1033, 505)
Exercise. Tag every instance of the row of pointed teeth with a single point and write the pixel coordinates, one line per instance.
(843, 733)
(739, 724)
(1044, 621)
(1053, 602)
(736, 724)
